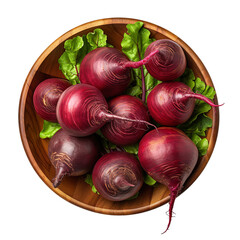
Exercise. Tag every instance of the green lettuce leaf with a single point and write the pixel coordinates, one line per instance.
(202, 146)
(134, 91)
(96, 39)
(201, 143)
(149, 180)
(133, 148)
(88, 180)
(188, 78)
(199, 122)
(69, 60)
(133, 197)
(49, 129)
(108, 146)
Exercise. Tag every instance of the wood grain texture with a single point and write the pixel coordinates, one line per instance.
(74, 189)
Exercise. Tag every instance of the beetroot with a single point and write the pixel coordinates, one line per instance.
(172, 103)
(170, 61)
(72, 156)
(129, 132)
(109, 70)
(82, 110)
(169, 157)
(117, 176)
(46, 96)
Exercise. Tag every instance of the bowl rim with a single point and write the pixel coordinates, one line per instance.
(39, 61)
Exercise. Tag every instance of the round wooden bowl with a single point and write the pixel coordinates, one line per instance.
(74, 189)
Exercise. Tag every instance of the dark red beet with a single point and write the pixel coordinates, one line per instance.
(172, 103)
(72, 156)
(108, 69)
(82, 110)
(129, 132)
(117, 176)
(46, 96)
(170, 61)
(169, 157)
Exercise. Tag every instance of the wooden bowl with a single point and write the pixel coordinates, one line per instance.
(74, 189)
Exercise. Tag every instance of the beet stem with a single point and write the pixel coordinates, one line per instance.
(143, 82)
(201, 97)
(111, 117)
(174, 192)
(143, 86)
(61, 171)
(78, 73)
(120, 149)
(141, 62)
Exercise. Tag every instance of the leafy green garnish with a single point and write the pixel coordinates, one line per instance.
(188, 78)
(108, 146)
(69, 61)
(88, 180)
(133, 148)
(134, 45)
(49, 129)
(198, 123)
(149, 180)
(134, 91)
(75, 51)
(134, 196)
(201, 143)
(96, 39)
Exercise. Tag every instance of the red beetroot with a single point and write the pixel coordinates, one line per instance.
(129, 132)
(72, 156)
(169, 157)
(172, 103)
(170, 61)
(109, 70)
(117, 176)
(46, 96)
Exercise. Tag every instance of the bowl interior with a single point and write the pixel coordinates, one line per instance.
(74, 189)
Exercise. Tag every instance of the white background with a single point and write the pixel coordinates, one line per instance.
(208, 209)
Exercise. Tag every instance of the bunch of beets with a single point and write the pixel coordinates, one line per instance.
(166, 154)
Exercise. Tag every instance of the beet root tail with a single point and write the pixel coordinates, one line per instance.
(173, 195)
(112, 117)
(61, 171)
(122, 183)
(203, 98)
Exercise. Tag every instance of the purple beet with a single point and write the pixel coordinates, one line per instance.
(46, 96)
(169, 157)
(73, 156)
(170, 61)
(117, 176)
(126, 133)
(109, 70)
(172, 103)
